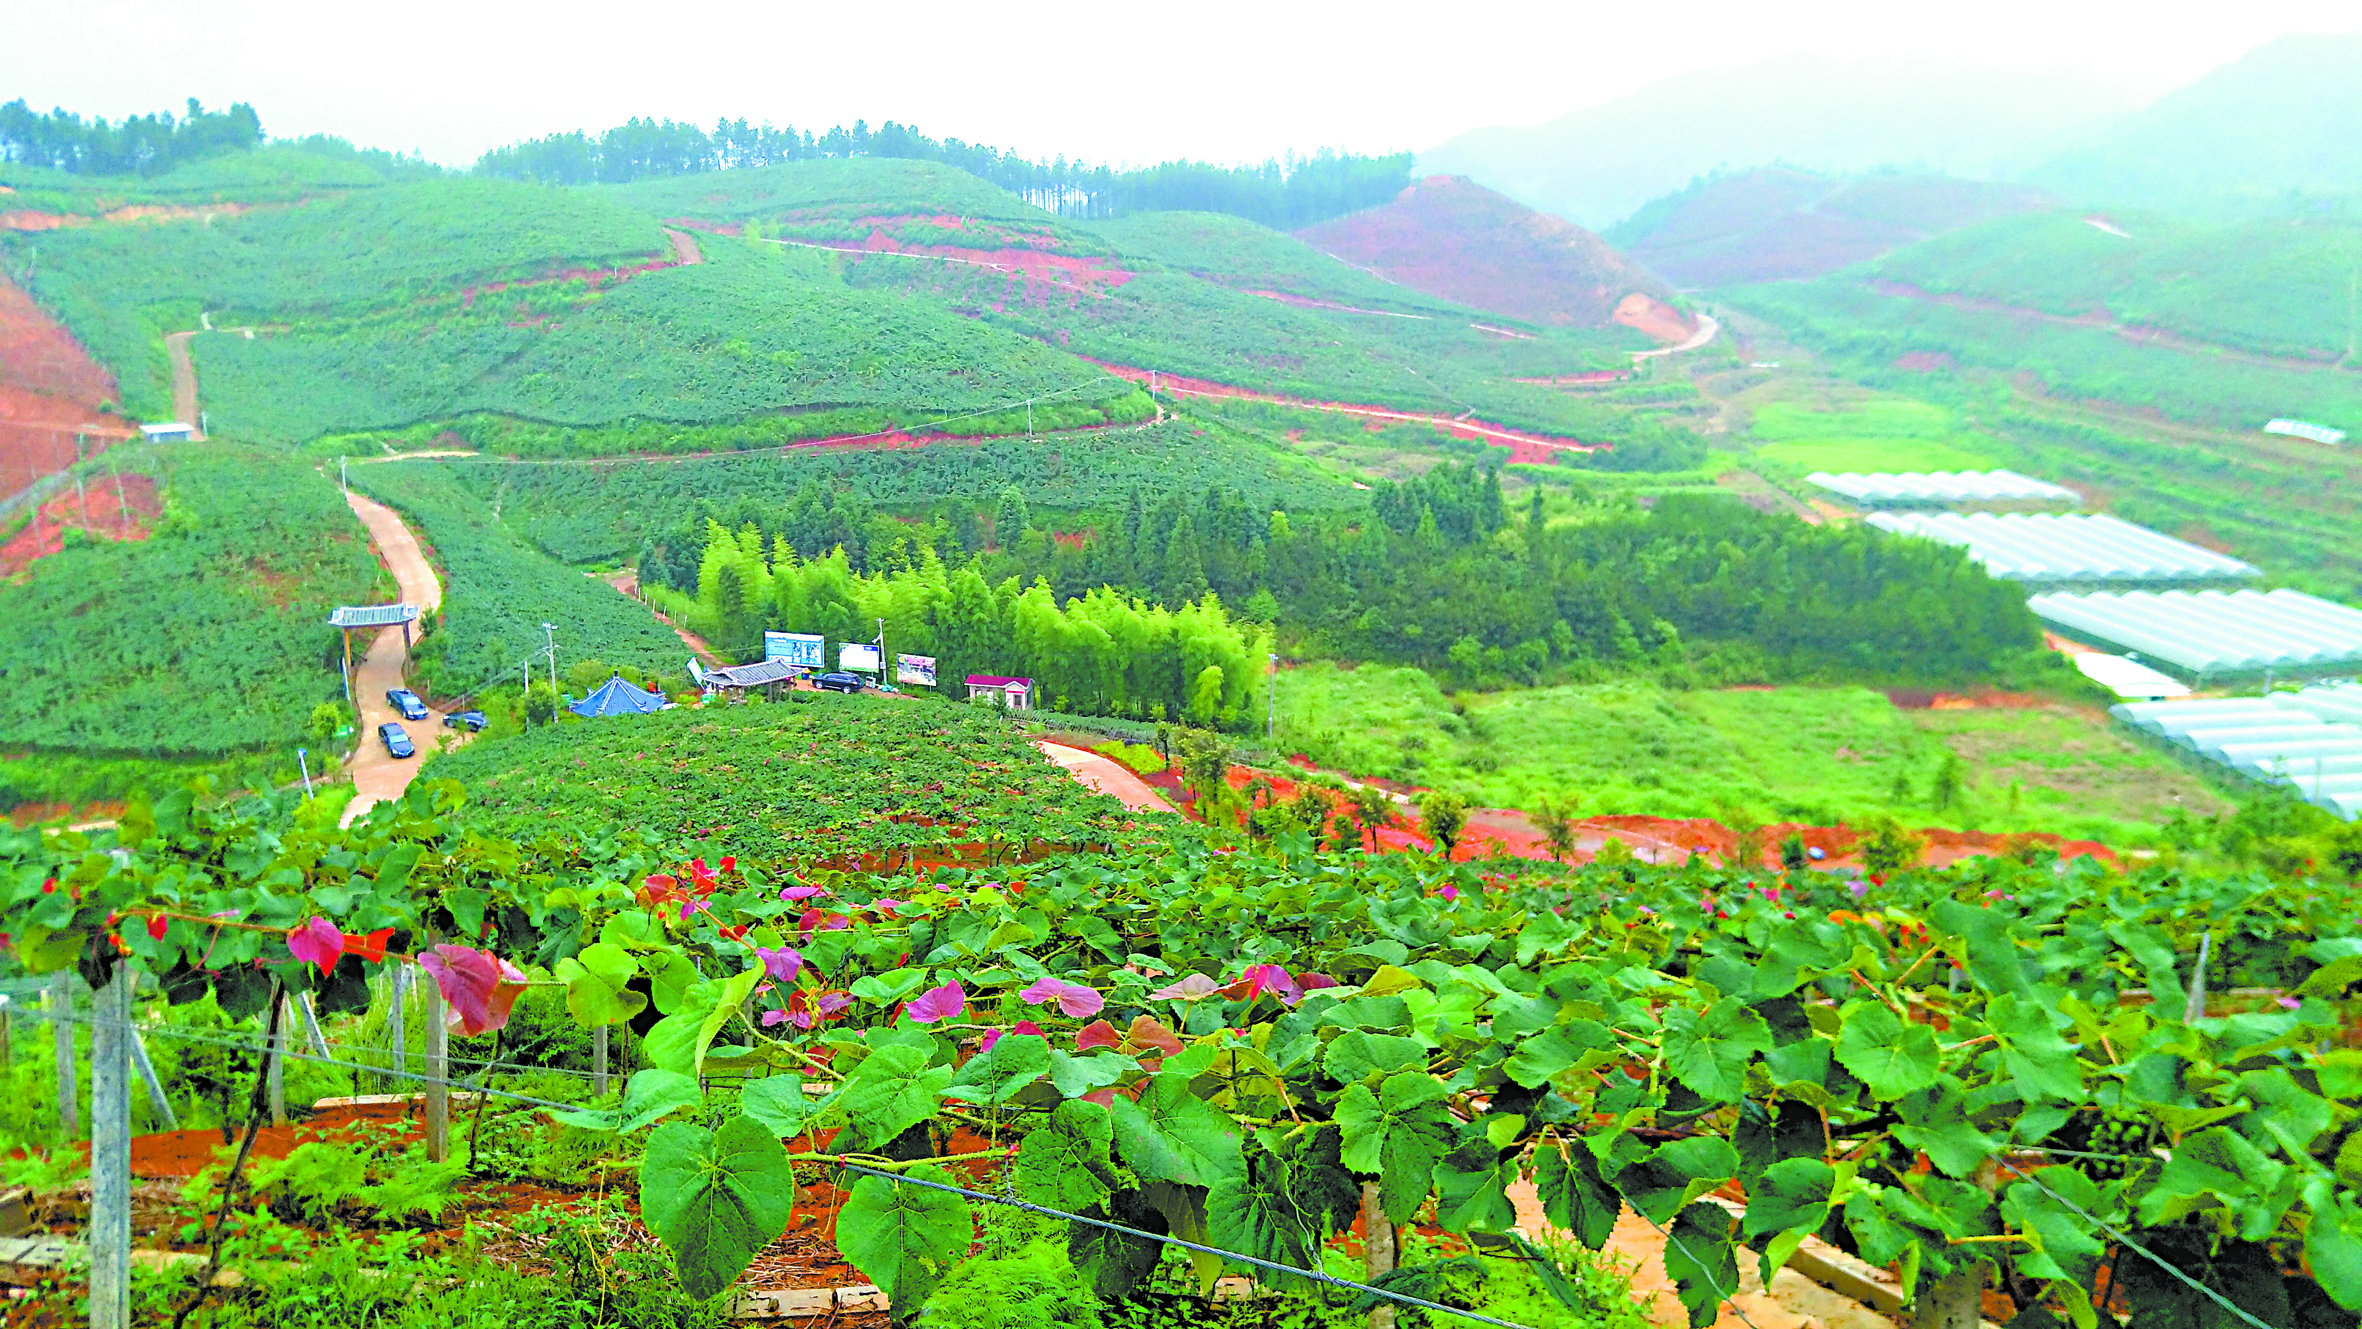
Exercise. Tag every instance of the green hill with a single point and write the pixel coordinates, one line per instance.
(1777, 222)
(1240, 254)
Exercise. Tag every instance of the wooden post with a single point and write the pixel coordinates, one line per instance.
(395, 1036)
(110, 1153)
(61, 1023)
(1377, 1244)
(278, 1070)
(599, 1061)
(438, 1070)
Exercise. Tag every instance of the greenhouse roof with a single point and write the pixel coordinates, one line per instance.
(2213, 632)
(1943, 487)
(2128, 678)
(2282, 739)
(2046, 546)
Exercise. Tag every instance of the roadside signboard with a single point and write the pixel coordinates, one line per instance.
(861, 655)
(916, 670)
(801, 649)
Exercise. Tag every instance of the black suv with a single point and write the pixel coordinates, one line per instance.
(405, 703)
(472, 721)
(840, 682)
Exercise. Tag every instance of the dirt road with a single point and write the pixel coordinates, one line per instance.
(1107, 777)
(377, 776)
(685, 249)
(1707, 327)
(184, 378)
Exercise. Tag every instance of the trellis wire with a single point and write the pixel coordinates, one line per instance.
(1272, 1265)
(482, 1086)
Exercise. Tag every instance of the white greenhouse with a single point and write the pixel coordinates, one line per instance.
(2072, 547)
(2309, 741)
(1935, 488)
(2213, 632)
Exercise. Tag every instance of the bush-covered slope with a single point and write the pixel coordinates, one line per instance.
(2284, 288)
(499, 590)
(1238, 253)
(205, 639)
(1777, 222)
(120, 287)
(828, 187)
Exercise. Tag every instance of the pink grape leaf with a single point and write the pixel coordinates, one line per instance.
(1196, 987)
(1074, 999)
(1097, 1034)
(937, 1004)
(316, 942)
(480, 988)
(1146, 1034)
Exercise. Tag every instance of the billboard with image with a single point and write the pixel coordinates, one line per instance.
(858, 655)
(916, 670)
(803, 650)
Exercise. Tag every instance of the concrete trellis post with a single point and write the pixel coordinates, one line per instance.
(110, 1153)
(598, 1061)
(277, 1076)
(396, 1037)
(438, 1071)
(61, 1024)
(1377, 1244)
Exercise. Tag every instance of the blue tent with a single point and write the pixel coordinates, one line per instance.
(616, 697)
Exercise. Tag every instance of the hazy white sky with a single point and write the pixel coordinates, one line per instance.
(1223, 81)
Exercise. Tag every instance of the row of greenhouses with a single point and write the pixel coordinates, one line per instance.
(2309, 741)
(2068, 548)
(1940, 488)
(2202, 633)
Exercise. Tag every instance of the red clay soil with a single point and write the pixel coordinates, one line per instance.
(1448, 236)
(1652, 317)
(110, 507)
(1529, 448)
(50, 388)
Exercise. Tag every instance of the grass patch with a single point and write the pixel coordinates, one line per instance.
(1879, 435)
(1819, 755)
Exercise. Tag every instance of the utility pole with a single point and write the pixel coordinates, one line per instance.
(525, 715)
(549, 632)
(1029, 417)
(883, 673)
(82, 500)
(1271, 702)
(306, 768)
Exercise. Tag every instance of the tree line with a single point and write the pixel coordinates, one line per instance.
(1440, 573)
(1283, 193)
(135, 145)
(1104, 653)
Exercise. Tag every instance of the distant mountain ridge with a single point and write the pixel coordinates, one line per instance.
(1600, 164)
(1448, 236)
(2270, 131)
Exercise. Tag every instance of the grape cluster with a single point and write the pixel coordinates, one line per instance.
(2124, 1137)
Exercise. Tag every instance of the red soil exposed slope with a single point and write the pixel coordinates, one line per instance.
(110, 507)
(1451, 237)
(49, 389)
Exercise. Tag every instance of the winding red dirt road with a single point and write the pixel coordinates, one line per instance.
(377, 776)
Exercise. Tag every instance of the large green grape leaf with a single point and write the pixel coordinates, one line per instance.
(892, 1090)
(1397, 1135)
(2333, 1247)
(648, 1096)
(679, 1040)
(1063, 1162)
(1471, 1189)
(1935, 1122)
(1701, 1262)
(1668, 1177)
(2042, 1063)
(1357, 1055)
(715, 1197)
(905, 1238)
(779, 1102)
(1574, 1199)
(1884, 1053)
(595, 991)
(1113, 1261)
(1171, 1134)
(1014, 1062)
(1709, 1051)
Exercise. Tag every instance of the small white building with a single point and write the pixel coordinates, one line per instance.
(1014, 693)
(168, 431)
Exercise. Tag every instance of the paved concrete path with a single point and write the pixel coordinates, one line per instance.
(1107, 776)
(378, 776)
